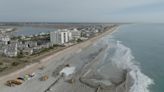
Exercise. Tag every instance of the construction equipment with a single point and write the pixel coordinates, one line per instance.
(44, 78)
(21, 78)
(12, 83)
(71, 81)
(31, 75)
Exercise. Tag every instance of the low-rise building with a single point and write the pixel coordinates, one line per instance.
(75, 34)
(31, 43)
(46, 45)
(5, 39)
(22, 46)
(2, 43)
(2, 49)
(27, 51)
(11, 50)
(37, 49)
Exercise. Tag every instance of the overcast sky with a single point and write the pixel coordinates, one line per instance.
(82, 10)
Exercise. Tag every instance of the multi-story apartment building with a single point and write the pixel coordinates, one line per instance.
(75, 34)
(60, 36)
(55, 37)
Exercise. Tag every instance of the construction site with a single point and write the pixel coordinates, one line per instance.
(71, 70)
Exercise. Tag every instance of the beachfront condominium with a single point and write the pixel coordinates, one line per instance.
(75, 34)
(60, 36)
(55, 37)
(64, 36)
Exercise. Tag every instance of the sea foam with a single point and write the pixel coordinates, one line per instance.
(119, 67)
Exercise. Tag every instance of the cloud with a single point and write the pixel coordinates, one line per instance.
(71, 10)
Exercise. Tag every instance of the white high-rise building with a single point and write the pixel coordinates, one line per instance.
(55, 37)
(70, 35)
(60, 36)
(64, 37)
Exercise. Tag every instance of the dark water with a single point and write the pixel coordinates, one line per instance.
(32, 30)
(147, 44)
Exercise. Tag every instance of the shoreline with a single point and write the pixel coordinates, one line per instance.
(46, 60)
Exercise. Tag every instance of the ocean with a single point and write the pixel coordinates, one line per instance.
(146, 42)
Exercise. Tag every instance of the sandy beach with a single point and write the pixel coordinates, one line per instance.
(77, 56)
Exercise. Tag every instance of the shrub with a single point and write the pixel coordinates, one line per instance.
(20, 55)
(1, 63)
(79, 40)
(15, 63)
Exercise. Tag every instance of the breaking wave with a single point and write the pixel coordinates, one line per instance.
(118, 67)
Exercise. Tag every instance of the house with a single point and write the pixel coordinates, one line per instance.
(11, 50)
(2, 49)
(2, 43)
(75, 34)
(31, 43)
(5, 39)
(27, 51)
(22, 46)
(37, 49)
(46, 45)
